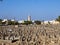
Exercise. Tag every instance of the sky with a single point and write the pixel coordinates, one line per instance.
(37, 9)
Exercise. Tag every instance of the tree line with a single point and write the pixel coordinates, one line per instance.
(9, 22)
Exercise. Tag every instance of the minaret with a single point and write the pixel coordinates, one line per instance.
(29, 18)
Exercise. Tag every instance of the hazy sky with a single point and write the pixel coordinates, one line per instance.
(37, 9)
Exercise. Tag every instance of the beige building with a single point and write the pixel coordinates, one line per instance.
(54, 22)
(51, 22)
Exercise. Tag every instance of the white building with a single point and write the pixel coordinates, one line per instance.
(45, 22)
(12, 20)
(4, 20)
(21, 21)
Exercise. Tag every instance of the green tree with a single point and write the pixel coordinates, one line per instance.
(0, 21)
(58, 19)
(12, 22)
(16, 23)
(27, 22)
(3, 23)
(37, 22)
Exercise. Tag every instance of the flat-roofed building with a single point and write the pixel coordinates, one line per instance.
(54, 22)
(21, 21)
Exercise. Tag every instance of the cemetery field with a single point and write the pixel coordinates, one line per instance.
(30, 34)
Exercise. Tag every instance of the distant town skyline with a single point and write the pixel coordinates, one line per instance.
(37, 9)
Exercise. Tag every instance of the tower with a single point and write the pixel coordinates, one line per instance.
(29, 18)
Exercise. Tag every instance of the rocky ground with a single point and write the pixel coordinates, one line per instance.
(30, 35)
